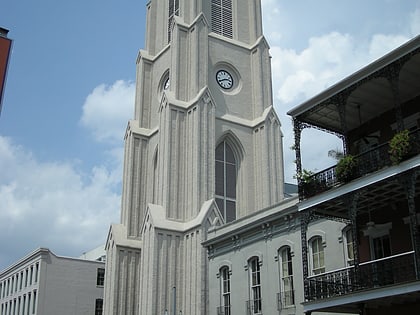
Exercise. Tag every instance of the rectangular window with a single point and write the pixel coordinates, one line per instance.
(172, 12)
(21, 280)
(100, 277)
(98, 306)
(287, 290)
(381, 247)
(225, 290)
(221, 17)
(349, 247)
(29, 304)
(36, 272)
(318, 263)
(34, 303)
(255, 304)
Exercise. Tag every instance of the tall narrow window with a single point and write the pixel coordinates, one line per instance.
(381, 247)
(221, 17)
(318, 263)
(98, 306)
(100, 277)
(173, 10)
(225, 291)
(255, 303)
(286, 277)
(226, 181)
(36, 272)
(348, 236)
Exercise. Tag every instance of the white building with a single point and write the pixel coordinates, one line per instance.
(43, 283)
(204, 166)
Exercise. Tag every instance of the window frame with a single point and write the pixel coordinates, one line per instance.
(99, 305)
(224, 198)
(100, 277)
(225, 295)
(287, 297)
(173, 10)
(255, 303)
(317, 256)
(222, 17)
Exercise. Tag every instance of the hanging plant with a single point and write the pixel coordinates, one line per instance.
(346, 168)
(399, 146)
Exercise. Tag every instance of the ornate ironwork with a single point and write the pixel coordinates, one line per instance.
(386, 271)
(368, 162)
(408, 181)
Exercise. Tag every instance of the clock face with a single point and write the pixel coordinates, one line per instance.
(224, 79)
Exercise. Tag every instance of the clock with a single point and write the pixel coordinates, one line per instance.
(224, 79)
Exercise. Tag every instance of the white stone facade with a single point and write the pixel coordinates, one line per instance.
(182, 114)
(264, 235)
(45, 284)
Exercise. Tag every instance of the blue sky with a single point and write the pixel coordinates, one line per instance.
(70, 91)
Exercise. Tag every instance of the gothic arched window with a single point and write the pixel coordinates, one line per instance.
(226, 181)
(173, 10)
(221, 17)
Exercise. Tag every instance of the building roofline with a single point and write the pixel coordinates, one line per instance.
(38, 252)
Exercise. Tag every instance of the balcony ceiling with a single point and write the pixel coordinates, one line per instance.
(378, 195)
(366, 93)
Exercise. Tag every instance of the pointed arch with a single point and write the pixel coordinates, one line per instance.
(155, 174)
(228, 156)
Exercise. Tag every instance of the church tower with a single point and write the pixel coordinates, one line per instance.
(204, 149)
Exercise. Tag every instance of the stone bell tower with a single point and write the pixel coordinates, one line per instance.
(204, 148)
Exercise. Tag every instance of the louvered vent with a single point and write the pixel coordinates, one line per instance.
(173, 10)
(221, 17)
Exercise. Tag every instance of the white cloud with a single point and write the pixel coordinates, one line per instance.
(415, 23)
(107, 109)
(52, 204)
(322, 62)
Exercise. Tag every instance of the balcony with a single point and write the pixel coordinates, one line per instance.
(368, 162)
(387, 271)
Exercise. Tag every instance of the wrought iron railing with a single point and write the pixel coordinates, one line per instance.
(254, 307)
(224, 310)
(285, 299)
(367, 162)
(373, 274)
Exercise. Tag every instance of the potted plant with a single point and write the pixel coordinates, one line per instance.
(307, 182)
(346, 168)
(399, 146)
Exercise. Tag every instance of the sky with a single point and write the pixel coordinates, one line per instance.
(70, 92)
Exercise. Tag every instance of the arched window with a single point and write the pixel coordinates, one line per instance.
(225, 291)
(255, 302)
(221, 17)
(317, 254)
(226, 181)
(172, 11)
(287, 294)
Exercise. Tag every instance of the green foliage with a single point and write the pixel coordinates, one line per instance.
(304, 176)
(399, 146)
(346, 167)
